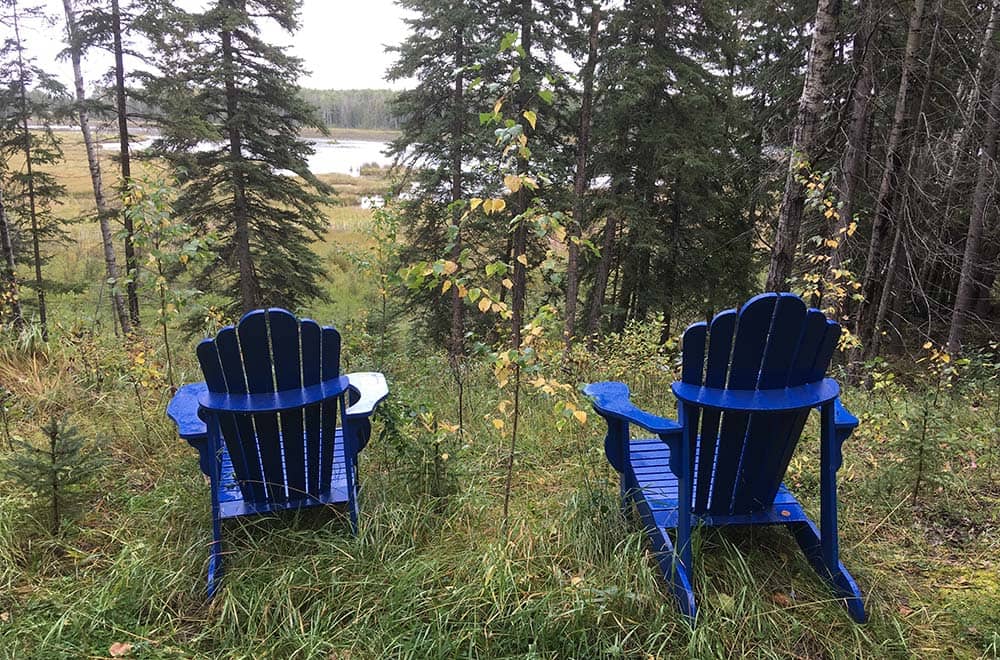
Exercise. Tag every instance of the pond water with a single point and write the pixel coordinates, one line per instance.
(331, 156)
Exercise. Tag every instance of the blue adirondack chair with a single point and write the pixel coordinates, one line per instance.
(265, 420)
(741, 413)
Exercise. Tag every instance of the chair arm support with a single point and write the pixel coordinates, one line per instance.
(776, 400)
(183, 410)
(273, 401)
(842, 417)
(371, 389)
(611, 401)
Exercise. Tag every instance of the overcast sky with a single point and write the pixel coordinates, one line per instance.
(342, 42)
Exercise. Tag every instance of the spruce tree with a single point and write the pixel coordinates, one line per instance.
(28, 96)
(231, 121)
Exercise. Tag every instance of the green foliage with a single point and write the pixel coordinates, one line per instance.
(226, 89)
(55, 470)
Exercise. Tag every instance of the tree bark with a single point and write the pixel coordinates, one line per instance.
(520, 239)
(30, 181)
(249, 287)
(581, 178)
(856, 145)
(125, 161)
(786, 239)
(601, 279)
(12, 292)
(986, 177)
(889, 185)
(94, 163)
(457, 337)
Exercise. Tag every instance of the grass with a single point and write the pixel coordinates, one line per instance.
(433, 572)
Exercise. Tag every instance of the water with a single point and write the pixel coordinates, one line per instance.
(331, 156)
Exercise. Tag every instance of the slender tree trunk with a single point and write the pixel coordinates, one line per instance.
(582, 177)
(11, 292)
(125, 161)
(30, 181)
(249, 288)
(520, 241)
(872, 346)
(889, 186)
(856, 146)
(986, 178)
(601, 279)
(786, 238)
(457, 129)
(94, 162)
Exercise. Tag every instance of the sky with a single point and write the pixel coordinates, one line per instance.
(342, 43)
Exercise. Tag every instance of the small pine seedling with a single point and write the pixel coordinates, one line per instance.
(57, 470)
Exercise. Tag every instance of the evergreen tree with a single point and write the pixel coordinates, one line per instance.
(231, 117)
(56, 470)
(29, 192)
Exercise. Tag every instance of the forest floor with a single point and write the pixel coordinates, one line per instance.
(434, 572)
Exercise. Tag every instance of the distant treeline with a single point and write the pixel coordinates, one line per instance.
(354, 108)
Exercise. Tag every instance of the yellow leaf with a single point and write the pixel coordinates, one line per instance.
(832, 242)
(444, 456)
(851, 228)
(497, 423)
(462, 291)
(927, 345)
(484, 304)
(513, 182)
(445, 286)
(499, 205)
(450, 267)
(507, 284)
(522, 259)
(497, 106)
(530, 117)
(474, 203)
(580, 416)
(945, 358)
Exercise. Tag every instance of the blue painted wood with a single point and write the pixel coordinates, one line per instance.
(283, 330)
(310, 339)
(256, 356)
(265, 420)
(271, 402)
(716, 370)
(748, 349)
(778, 400)
(731, 473)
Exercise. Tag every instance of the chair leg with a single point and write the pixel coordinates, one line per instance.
(822, 547)
(215, 557)
(677, 575)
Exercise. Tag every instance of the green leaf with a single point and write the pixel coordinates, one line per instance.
(547, 96)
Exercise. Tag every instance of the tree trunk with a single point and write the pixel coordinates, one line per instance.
(520, 242)
(786, 238)
(249, 288)
(601, 279)
(125, 160)
(582, 177)
(986, 177)
(94, 163)
(889, 185)
(11, 291)
(30, 181)
(856, 146)
(455, 347)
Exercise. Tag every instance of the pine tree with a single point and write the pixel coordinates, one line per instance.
(27, 95)
(231, 117)
(57, 470)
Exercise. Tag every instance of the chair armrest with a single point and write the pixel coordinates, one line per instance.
(611, 401)
(776, 400)
(842, 417)
(183, 410)
(371, 388)
(273, 401)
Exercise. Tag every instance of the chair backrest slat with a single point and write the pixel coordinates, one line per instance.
(330, 361)
(312, 374)
(277, 456)
(720, 343)
(284, 335)
(771, 343)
